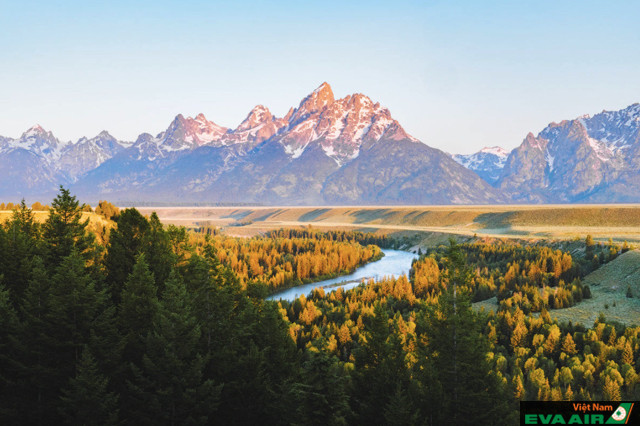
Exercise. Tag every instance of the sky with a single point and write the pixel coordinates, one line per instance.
(458, 75)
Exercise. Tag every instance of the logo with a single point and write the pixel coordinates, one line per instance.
(578, 413)
(621, 415)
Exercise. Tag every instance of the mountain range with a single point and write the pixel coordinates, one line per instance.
(328, 151)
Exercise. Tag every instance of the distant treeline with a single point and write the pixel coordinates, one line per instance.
(382, 241)
(37, 206)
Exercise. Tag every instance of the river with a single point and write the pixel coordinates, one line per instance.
(394, 263)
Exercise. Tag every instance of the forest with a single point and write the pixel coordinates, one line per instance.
(153, 324)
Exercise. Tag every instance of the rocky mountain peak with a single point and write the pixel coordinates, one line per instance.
(259, 115)
(187, 133)
(532, 141)
(617, 129)
(36, 131)
(39, 141)
(495, 150)
(341, 126)
(487, 163)
(313, 103)
(324, 91)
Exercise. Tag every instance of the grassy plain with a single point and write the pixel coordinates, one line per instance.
(620, 222)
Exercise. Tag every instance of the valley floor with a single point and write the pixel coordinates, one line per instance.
(619, 222)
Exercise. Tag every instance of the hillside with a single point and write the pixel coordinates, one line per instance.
(609, 285)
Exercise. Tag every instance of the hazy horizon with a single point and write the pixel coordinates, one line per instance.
(457, 77)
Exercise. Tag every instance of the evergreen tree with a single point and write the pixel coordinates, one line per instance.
(379, 367)
(322, 397)
(18, 245)
(158, 251)
(471, 393)
(79, 315)
(138, 309)
(38, 384)
(64, 231)
(86, 399)
(126, 242)
(9, 335)
(399, 410)
(170, 380)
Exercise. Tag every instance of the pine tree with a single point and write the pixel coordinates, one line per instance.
(518, 387)
(158, 251)
(138, 309)
(170, 380)
(400, 409)
(610, 390)
(9, 364)
(79, 315)
(19, 245)
(126, 242)
(380, 366)
(322, 397)
(627, 354)
(471, 393)
(39, 383)
(86, 399)
(64, 231)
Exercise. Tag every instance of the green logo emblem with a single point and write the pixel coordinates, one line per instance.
(621, 415)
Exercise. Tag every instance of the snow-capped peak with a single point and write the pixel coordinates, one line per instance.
(34, 131)
(187, 133)
(315, 102)
(341, 126)
(495, 150)
(257, 116)
(488, 162)
(616, 129)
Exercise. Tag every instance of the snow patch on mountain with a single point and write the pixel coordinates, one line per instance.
(487, 163)
(549, 159)
(295, 152)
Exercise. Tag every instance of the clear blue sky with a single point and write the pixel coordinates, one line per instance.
(457, 75)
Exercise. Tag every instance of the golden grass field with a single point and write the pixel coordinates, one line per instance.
(97, 223)
(41, 216)
(620, 222)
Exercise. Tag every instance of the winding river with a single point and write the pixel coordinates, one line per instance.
(394, 263)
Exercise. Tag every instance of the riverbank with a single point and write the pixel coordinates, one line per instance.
(393, 263)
